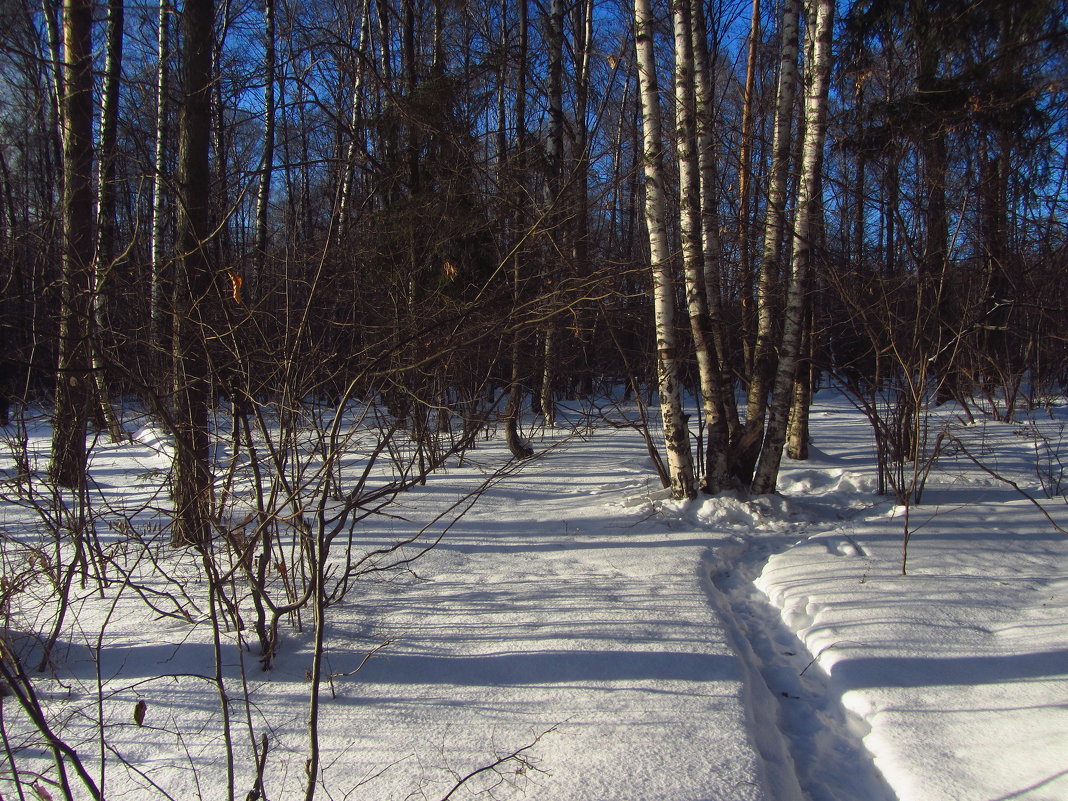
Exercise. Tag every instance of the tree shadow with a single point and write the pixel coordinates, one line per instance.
(537, 668)
(921, 671)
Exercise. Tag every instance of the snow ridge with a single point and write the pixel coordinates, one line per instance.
(799, 725)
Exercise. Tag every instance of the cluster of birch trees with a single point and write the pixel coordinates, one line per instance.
(446, 206)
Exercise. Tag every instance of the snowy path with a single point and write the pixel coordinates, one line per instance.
(587, 620)
(791, 699)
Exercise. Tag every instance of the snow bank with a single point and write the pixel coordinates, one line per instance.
(960, 667)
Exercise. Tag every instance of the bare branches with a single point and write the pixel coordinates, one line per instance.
(978, 462)
(518, 763)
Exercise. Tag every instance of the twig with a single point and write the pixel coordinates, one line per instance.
(1008, 481)
(827, 648)
(516, 756)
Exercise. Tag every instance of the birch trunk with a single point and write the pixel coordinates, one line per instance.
(745, 169)
(585, 321)
(104, 256)
(716, 467)
(676, 433)
(263, 196)
(819, 28)
(160, 280)
(349, 165)
(554, 198)
(760, 376)
(53, 40)
(797, 431)
(710, 220)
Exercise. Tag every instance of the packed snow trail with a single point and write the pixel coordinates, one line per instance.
(554, 609)
(790, 694)
(629, 631)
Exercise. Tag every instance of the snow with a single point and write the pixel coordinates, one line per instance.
(619, 644)
(958, 668)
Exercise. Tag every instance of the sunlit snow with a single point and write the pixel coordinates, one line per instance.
(620, 645)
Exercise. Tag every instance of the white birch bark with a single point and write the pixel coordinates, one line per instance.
(554, 195)
(159, 205)
(745, 170)
(716, 468)
(763, 357)
(710, 221)
(676, 434)
(819, 29)
(104, 254)
(348, 166)
(263, 194)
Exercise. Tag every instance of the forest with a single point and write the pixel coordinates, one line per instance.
(437, 204)
(321, 251)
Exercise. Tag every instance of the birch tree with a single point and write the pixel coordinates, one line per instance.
(770, 268)
(819, 29)
(745, 170)
(711, 244)
(263, 195)
(104, 255)
(676, 433)
(349, 164)
(159, 257)
(716, 467)
(554, 186)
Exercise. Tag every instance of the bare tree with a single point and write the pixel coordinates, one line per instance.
(712, 249)
(73, 382)
(716, 467)
(676, 433)
(192, 485)
(263, 195)
(512, 163)
(767, 326)
(104, 255)
(554, 190)
(745, 191)
(819, 29)
(159, 257)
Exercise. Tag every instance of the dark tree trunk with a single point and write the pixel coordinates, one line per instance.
(192, 472)
(73, 380)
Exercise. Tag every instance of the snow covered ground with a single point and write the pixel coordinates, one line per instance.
(596, 641)
(957, 671)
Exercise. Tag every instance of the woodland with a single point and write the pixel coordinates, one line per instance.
(458, 210)
(327, 248)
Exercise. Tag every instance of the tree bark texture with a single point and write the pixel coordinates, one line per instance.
(74, 390)
(711, 244)
(161, 279)
(554, 197)
(745, 170)
(770, 268)
(263, 195)
(716, 466)
(192, 480)
(676, 433)
(104, 257)
(819, 28)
